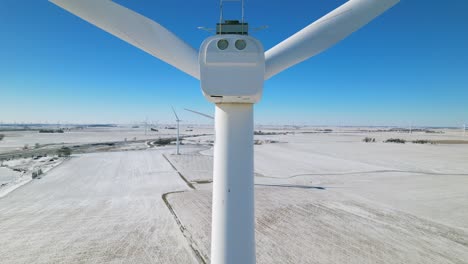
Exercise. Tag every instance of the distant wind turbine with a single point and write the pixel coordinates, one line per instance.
(177, 120)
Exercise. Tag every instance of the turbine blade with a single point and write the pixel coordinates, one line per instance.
(177, 118)
(323, 33)
(202, 114)
(137, 30)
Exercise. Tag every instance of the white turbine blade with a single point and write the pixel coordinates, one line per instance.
(177, 118)
(137, 30)
(198, 113)
(323, 33)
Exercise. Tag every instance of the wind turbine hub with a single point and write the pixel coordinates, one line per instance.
(232, 69)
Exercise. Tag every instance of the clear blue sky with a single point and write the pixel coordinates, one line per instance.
(409, 65)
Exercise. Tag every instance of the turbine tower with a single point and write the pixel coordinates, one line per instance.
(177, 120)
(232, 67)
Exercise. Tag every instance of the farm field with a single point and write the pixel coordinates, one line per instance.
(320, 198)
(311, 225)
(95, 208)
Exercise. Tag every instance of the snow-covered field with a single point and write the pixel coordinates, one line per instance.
(16, 140)
(320, 198)
(331, 198)
(7, 175)
(96, 208)
(18, 172)
(309, 225)
(196, 167)
(428, 180)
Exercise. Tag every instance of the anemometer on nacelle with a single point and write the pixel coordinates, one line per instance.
(232, 64)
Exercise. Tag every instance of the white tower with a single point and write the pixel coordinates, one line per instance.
(232, 67)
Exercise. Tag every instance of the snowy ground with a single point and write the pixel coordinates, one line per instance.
(7, 175)
(96, 208)
(308, 225)
(18, 172)
(430, 181)
(320, 198)
(331, 198)
(197, 168)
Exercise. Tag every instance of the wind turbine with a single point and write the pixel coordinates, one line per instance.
(232, 68)
(177, 120)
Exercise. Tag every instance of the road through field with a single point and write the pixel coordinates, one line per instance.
(96, 208)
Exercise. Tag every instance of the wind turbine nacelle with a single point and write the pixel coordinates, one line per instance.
(232, 69)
